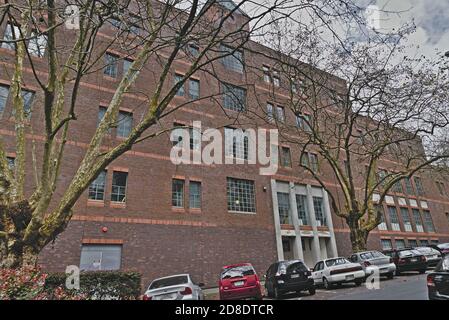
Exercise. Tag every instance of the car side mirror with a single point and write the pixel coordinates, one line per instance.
(201, 285)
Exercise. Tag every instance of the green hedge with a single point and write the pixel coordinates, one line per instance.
(100, 284)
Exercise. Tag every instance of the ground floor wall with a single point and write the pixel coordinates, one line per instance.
(161, 250)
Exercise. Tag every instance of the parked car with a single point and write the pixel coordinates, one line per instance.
(438, 281)
(407, 259)
(239, 281)
(443, 248)
(432, 255)
(336, 271)
(372, 260)
(176, 287)
(288, 276)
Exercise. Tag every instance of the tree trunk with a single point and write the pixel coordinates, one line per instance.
(358, 236)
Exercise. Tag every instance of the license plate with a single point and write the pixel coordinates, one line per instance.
(170, 296)
(295, 276)
(238, 283)
(350, 277)
(383, 269)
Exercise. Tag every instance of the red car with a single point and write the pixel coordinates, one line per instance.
(239, 281)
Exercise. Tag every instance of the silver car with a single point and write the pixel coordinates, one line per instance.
(176, 287)
(372, 260)
(433, 256)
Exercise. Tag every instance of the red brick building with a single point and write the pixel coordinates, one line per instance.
(147, 214)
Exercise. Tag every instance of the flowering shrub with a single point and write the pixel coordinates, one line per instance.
(28, 284)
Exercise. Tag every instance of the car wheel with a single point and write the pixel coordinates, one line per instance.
(398, 273)
(422, 271)
(358, 283)
(312, 291)
(390, 275)
(326, 283)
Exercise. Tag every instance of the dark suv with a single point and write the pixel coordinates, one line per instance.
(407, 259)
(288, 276)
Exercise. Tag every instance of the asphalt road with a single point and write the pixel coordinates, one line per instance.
(411, 286)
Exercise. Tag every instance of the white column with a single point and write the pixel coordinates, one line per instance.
(316, 240)
(277, 224)
(297, 246)
(330, 225)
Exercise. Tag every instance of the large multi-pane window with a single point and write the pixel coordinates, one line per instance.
(100, 257)
(276, 78)
(386, 244)
(111, 65)
(127, 65)
(381, 177)
(400, 243)
(12, 32)
(236, 143)
(412, 243)
(301, 206)
(408, 186)
(406, 220)
(286, 157)
(303, 122)
(97, 187)
(394, 219)
(195, 194)
(383, 224)
(234, 98)
(424, 242)
(194, 89)
(266, 74)
(181, 90)
(232, 59)
(119, 181)
(4, 92)
(125, 124)
(428, 222)
(318, 206)
(240, 195)
(280, 114)
(37, 44)
(418, 220)
(397, 187)
(270, 114)
(310, 160)
(419, 186)
(178, 193)
(284, 208)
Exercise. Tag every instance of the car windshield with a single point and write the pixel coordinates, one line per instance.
(336, 262)
(443, 265)
(166, 282)
(408, 253)
(443, 246)
(295, 267)
(237, 272)
(424, 250)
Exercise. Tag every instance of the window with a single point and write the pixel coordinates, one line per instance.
(408, 186)
(28, 98)
(195, 194)
(394, 219)
(240, 194)
(284, 208)
(383, 224)
(293, 86)
(11, 162)
(100, 257)
(301, 206)
(12, 32)
(236, 143)
(286, 157)
(428, 221)
(194, 50)
(280, 114)
(194, 89)
(126, 65)
(4, 92)
(303, 122)
(97, 187)
(320, 216)
(234, 98)
(418, 220)
(111, 65)
(276, 79)
(412, 243)
(381, 177)
(406, 220)
(37, 44)
(177, 193)
(119, 180)
(310, 160)
(125, 124)
(400, 243)
(397, 187)
(270, 114)
(181, 91)
(419, 186)
(386, 244)
(266, 74)
(232, 59)
(424, 242)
